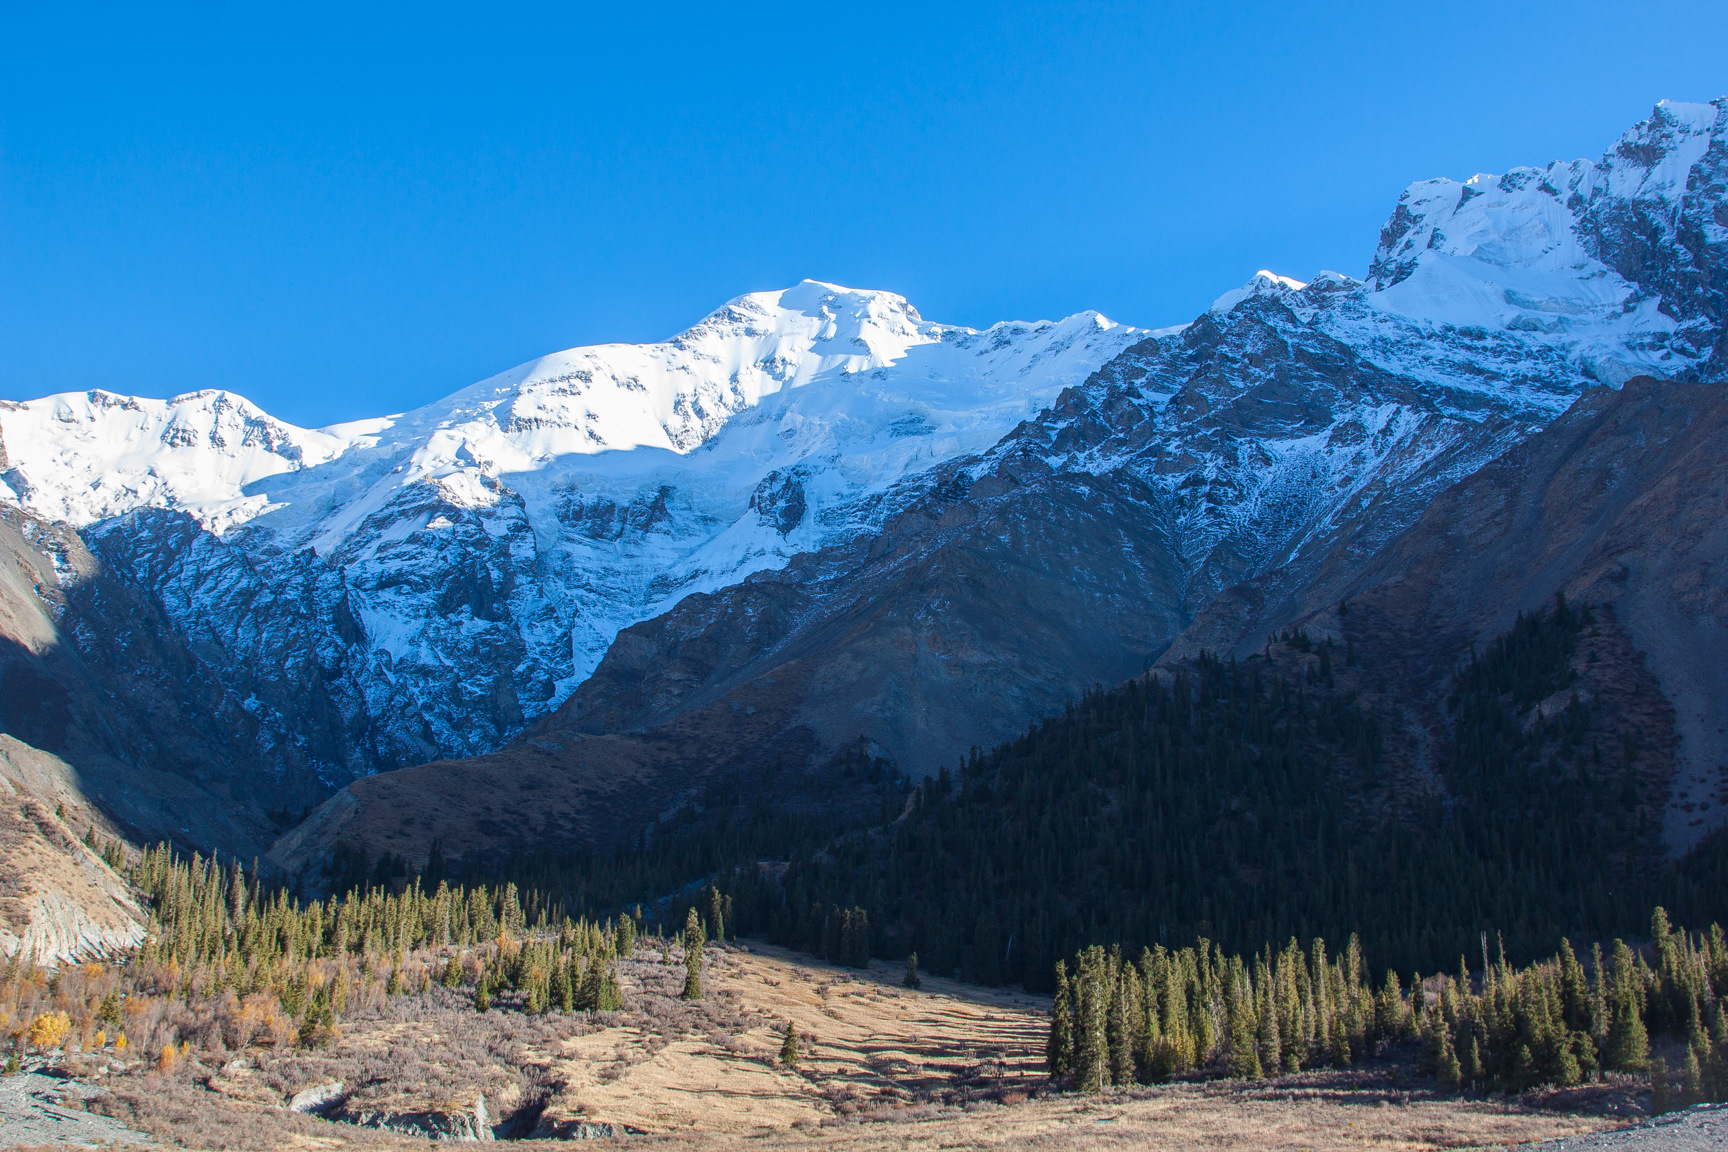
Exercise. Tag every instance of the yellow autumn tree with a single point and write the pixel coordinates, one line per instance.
(49, 1030)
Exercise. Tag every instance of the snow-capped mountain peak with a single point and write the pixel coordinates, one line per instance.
(1263, 283)
(85, 456)
(1601, 265)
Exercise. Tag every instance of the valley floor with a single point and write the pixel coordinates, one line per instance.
(946, 1066)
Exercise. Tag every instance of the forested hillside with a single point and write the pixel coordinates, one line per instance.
(1294, 794)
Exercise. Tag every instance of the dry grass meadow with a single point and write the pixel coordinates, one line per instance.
(947, 1066)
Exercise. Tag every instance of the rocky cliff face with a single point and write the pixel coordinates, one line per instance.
(59, 901)
(94, 677)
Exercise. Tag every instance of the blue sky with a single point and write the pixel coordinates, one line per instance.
(347, 210)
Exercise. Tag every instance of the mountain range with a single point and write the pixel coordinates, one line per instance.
(554, 606)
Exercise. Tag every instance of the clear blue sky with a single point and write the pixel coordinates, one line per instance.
(347, 210)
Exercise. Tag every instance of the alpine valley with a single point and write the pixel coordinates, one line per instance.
(817, 531)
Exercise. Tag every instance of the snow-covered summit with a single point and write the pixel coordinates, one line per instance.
(1263, 283)
(85, 456)
(1605, 259)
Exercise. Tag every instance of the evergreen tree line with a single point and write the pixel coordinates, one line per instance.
(1120, 1021)
(227, 929)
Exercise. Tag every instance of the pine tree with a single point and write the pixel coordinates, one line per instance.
(910, 980)
(1661, 1092)
(716, 916)
(693, 945)
(789, 1046)
(1447, 1068)
(1091, 1054)
(1058, 1051)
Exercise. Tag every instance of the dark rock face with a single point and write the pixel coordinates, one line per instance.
(1673, 249)
(91, 672)
(779, 500)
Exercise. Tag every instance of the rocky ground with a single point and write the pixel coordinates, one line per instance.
(1699, 1129)
(44, 1105)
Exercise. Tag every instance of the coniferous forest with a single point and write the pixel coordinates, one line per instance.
(1121, 1020)
(1245, 802)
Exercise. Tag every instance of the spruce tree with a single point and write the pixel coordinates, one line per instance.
(1627, 1048)
(789, 1046)
(611, 996)
(1058, 1050)
(1244, 1056)
(1091, 1054)
(1574, 990)
(1692, 1089)
(562, 992)
(587, 997)
(1119, 1029)
(1661, 1092)
(1271, 1041)
(910, 980)
(1472, 1070)
(1447, 1068)
(693, 945)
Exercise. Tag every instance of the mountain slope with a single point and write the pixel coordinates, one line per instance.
(1289, 427)
(1280, 440)
(1620, 504)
